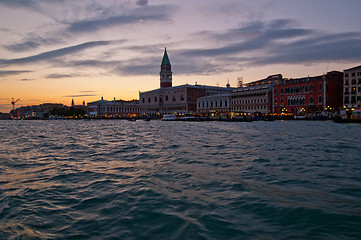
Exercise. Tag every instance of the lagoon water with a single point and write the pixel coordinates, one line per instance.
(179, 180)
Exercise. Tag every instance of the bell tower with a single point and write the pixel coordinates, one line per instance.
(165, 71)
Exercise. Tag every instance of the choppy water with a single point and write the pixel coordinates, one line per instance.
(179, 180)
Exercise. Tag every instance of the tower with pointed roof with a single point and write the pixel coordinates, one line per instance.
(165, 71)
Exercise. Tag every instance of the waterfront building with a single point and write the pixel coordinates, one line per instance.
(352, 88)
(115, 108)
(179, 99)
(301, 96)
(255, 97)
(35, 111)
(216, 105)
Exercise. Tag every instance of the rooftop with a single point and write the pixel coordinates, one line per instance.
(165, 60)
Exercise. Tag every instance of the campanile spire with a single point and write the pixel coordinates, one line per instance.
(165, 71)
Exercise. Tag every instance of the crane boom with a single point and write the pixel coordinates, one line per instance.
(14, 101)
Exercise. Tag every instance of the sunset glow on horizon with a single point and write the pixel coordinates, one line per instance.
(56, 51)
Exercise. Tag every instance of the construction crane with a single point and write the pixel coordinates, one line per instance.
(14, 101)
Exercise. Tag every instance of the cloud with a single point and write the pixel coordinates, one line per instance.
(6, 30)
(18, 3)
(45, 56)
(106, 20)
(142, 2)
(341, 50)
(87, 91)
(130, 67)
(253, 36)
(89, 16)
(32, 42)
(96, 24)
(81, 95)
(266, 43)
(26, 79)
(58, 76)
(4, 73)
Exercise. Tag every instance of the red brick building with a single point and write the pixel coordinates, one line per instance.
(310, 94)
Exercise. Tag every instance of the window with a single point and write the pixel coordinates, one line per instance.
(347, 100)
(320, 88)
(155, 99)
(353, 74)
(225, 103)
(143, 100)
(173, 98)
(353, 90)
(359, 81)
(319, 100)
(281, 91)
(149, 99)
(182, 98)
(166, 98)
(275, 92)
(311, 100)
(353, 99)
(160, 99)
(346, 75)
(346, 82)
(311, 88)
(276, 103)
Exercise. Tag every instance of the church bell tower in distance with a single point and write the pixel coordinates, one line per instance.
(165, 71)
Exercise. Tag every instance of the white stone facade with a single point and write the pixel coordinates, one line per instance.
(214, 103)
(115, 108)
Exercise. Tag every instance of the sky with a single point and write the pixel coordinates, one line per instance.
(53, 51)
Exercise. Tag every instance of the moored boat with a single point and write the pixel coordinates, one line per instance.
(348, 116)
(169, 117)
